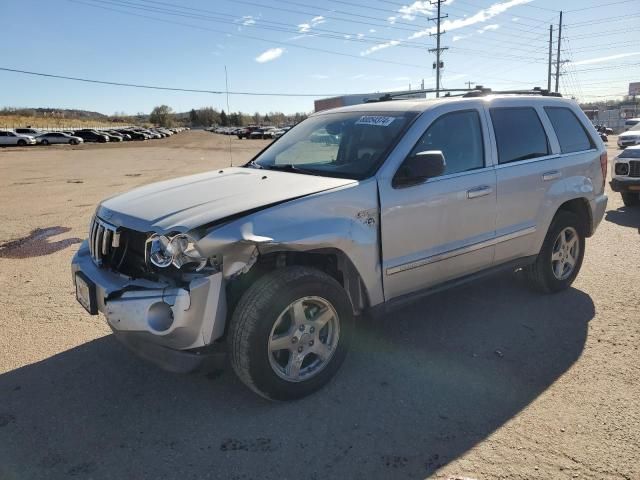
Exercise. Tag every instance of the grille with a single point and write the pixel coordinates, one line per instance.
(103, 240)
(634, 168)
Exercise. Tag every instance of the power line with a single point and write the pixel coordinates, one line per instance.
(172, 89)
(252, 37)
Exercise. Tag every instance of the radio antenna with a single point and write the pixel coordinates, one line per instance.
(226, 82)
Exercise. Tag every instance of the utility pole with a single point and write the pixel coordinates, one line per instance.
(550, 57)
(469, 84)
(438, 65)
(558, 54)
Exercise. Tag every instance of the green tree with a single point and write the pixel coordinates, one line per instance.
(162, 116)
(224, 121)
(193, 118)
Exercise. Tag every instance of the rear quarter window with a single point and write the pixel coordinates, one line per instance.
(519, 134)
(571, 134)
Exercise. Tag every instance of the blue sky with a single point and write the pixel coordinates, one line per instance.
(302, 46)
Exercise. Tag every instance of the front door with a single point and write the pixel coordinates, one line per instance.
(443, 228)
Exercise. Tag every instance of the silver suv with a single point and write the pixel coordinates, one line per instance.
(354, 210)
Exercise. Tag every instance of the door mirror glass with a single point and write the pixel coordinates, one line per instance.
(419, 167)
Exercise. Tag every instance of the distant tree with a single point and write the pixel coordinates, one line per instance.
(256, 118)
(224, 120)
(235, 119)
(162, 116)
(193, 118)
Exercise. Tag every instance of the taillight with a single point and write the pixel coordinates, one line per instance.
(603, 166)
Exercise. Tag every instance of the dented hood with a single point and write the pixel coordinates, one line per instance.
(185, 203)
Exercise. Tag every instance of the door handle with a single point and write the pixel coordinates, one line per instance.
(552, 175)
(479, 191)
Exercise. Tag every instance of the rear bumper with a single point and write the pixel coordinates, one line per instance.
(623, 186)
(197, 312)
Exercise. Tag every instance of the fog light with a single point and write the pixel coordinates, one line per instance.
(160, 316)
(622, 169)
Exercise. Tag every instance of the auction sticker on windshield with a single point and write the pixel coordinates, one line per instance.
(375, 120)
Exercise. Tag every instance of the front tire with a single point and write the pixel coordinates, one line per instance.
(631, 199)
(21, 143)
(290, 332)
(561, 255)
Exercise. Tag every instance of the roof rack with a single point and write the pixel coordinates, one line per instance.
(478, 91)
(481, 91)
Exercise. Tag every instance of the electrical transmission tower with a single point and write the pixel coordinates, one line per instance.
(438, 63)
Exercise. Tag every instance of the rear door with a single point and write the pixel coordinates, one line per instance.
(443, 228)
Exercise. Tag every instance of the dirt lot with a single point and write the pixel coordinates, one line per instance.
(484, 381)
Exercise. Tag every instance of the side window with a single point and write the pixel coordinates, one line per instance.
(458, 135)
(519, 134)
(570, 132)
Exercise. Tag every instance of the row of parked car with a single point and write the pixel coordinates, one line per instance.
(33, 136)
(253, 132)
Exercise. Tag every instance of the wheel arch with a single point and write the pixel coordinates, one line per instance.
(332, 261)
(581, 208)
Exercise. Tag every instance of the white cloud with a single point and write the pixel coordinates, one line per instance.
(248, 20)
(480, 16)
(392, 20)
(457, 38)
(493, 26)
(408, 12)
(360, 35)
(372, 30)
(515, 19)
(605, 59)
(306, 27)
(269, 55)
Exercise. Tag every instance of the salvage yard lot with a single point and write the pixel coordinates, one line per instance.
(485, 381)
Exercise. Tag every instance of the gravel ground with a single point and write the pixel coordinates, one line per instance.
(484, 381)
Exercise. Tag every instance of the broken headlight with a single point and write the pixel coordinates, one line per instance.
(177, 250)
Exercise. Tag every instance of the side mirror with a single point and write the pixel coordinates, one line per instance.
(419, 167)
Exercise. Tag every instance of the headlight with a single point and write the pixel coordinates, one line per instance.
(178, 251)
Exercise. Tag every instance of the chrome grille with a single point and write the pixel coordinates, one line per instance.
(634, 168)
(103, 238)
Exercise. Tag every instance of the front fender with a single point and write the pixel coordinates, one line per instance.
(344, 219)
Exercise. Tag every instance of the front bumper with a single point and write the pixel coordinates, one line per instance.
(198, 313)
(624, 143)
(627, 185)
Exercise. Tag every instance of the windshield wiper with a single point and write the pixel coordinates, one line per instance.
(292, 168)
(253, 164)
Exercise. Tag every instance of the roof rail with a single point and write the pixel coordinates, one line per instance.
(398, 95)
(481, 91)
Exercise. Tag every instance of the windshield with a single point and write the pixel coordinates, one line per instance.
(349, 145)
(630, 153)
(635, 128)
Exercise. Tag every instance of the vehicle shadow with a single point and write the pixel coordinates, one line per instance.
(625, 217)
(420, 387)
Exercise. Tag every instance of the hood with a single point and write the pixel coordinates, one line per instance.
(185, 203)
(630, 133)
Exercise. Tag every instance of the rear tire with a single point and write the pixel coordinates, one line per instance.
(631, 199)
(21, 143)
(290, 332)
(561, 255)
(45, 142)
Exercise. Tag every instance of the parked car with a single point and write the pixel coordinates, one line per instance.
(31, 132)
(91, 136)
(58, 137)
(113, 137)
(246, 131)
(276, 258)
(12, 138)
(133, 134)
(630, 137)
(630, 122)
(625, 175)
(261, 133)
